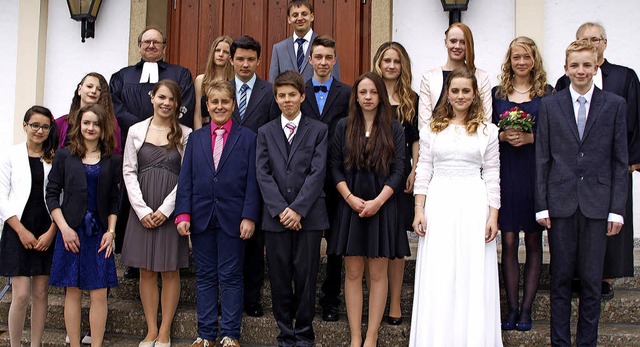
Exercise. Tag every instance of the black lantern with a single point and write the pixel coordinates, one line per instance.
(86, 12)
(455, 8)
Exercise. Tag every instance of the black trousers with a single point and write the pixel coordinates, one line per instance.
(253, 270)
(577, 243)
(294, 256)
(333, 280)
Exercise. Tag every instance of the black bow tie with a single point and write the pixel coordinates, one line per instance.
(320, 89)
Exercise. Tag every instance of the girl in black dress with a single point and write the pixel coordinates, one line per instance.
(25, 247)
(366, 163)
(392, 63)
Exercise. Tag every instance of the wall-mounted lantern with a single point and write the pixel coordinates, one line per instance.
(455, 8)
(86, 12)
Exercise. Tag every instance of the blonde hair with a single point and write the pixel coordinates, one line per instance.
(580, 46)
(402, 88)
(444, 111)
(210, 70)
(537, 76)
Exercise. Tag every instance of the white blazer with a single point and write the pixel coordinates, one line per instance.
(431, 86)
(15, 181)
(135, 140)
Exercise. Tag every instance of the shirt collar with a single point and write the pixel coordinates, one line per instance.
(587, 95)
(161, 63)
(307, 36)
(326, 84)
(295, 121)
(226, 126)
(250, 83)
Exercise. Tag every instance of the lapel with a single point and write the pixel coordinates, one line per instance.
(232, 139)
(299, 136)
(277, 137)
(292, 53)
(566, 106)
(205, 143)
(597, 100)
(311, 96)
(331, 97)
(257, 94)
(105, 173)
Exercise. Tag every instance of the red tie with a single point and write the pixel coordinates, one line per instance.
(217, 148)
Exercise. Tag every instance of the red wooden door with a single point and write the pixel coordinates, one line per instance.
(194, 24)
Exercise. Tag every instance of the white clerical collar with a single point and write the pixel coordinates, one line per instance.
(149, 72)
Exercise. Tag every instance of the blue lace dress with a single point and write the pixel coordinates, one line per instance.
(87, 269)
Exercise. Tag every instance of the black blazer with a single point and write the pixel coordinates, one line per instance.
(68, 176)
(335, 108)
(261, 108)
(294, 179)
(590, 174)
(622, 81)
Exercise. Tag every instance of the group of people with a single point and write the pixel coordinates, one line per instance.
(232, 165)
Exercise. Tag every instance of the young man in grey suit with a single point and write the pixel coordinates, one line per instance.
(328, 101)
(291, 165)
(581, 189)
(622, 81)
(292, 53)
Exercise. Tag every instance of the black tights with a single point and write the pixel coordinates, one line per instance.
(511, 269)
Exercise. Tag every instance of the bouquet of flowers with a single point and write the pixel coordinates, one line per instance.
(516, 118)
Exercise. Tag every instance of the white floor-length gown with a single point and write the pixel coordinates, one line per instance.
(456, 299)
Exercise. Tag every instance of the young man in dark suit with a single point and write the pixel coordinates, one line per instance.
(255, 106)
(328, 101)
(292, 53)
(622, 81)
(581, 185)
(291, 167)
(218, 205)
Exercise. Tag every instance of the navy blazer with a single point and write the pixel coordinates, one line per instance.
(261, 108)
(590, 174)
(229, 193)
(294, 179)
(622, 81)
(68, 176)
(335, 108)
(285, 58)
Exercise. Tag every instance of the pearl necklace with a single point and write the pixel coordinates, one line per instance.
(156, 128)
(522, 92)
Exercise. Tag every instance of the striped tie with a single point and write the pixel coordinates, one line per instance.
(242, 105)
(217, 148)
(292, 129)
(300, 53)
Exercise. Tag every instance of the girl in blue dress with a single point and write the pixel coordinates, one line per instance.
(523, 83)
(87, 173)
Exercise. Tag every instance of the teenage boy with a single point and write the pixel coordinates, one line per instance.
(581, 189)
(292, 53)
(623, 81)
(291, 166)
(255, 106)
(327, 101)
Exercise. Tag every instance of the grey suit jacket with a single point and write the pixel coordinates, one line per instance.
(294, 179)
(283, 58)
(590, 174)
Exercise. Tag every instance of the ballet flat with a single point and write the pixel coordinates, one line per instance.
(163, 344)
(147, 343)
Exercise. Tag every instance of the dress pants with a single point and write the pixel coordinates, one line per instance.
(294, 256)
(333, 280)
(577, 243)
(218, 258)
(254, 268)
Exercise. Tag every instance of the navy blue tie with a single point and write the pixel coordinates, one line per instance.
(300, 53)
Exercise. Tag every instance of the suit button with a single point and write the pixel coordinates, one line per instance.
(288, 190)
(216, 201)
(215, 179)
(288, 172)
(581, 178)
(581, 155)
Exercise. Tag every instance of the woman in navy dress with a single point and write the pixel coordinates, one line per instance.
(523, 83)
(392, 63)
(88, 173)
(25, 252)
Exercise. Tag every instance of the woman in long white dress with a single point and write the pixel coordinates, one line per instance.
(457, 197)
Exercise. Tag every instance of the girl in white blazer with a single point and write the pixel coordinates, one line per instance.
(460, 52)
(25, 252)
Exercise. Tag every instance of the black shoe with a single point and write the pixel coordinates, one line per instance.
(131, 273)
(509, 322)
(575, 288)
(330, 313)
(607, 291)
(254, 310)
(524, 322)
(394, 320)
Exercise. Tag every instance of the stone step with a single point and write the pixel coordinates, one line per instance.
(608, 335)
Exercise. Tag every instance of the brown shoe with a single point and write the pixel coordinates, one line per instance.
(199, 342)
(229, 342)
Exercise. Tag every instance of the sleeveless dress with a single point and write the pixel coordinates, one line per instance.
(15, 260)
(88, 269)
(456, 294)
(161, 249)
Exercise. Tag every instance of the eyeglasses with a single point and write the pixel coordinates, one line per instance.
(148, 43)
(594, 40)
(37, 126)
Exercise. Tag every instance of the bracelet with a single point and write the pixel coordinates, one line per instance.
(347, 198)
(421, 205)
(113, 232)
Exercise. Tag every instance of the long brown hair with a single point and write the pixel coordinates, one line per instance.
(210, 70)
(537, 76)
(402, 88)
(49, 145)
(107, 141)
(104, 100)
(444, 111)
(378, 151)
(469, 51)
(175, 131)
